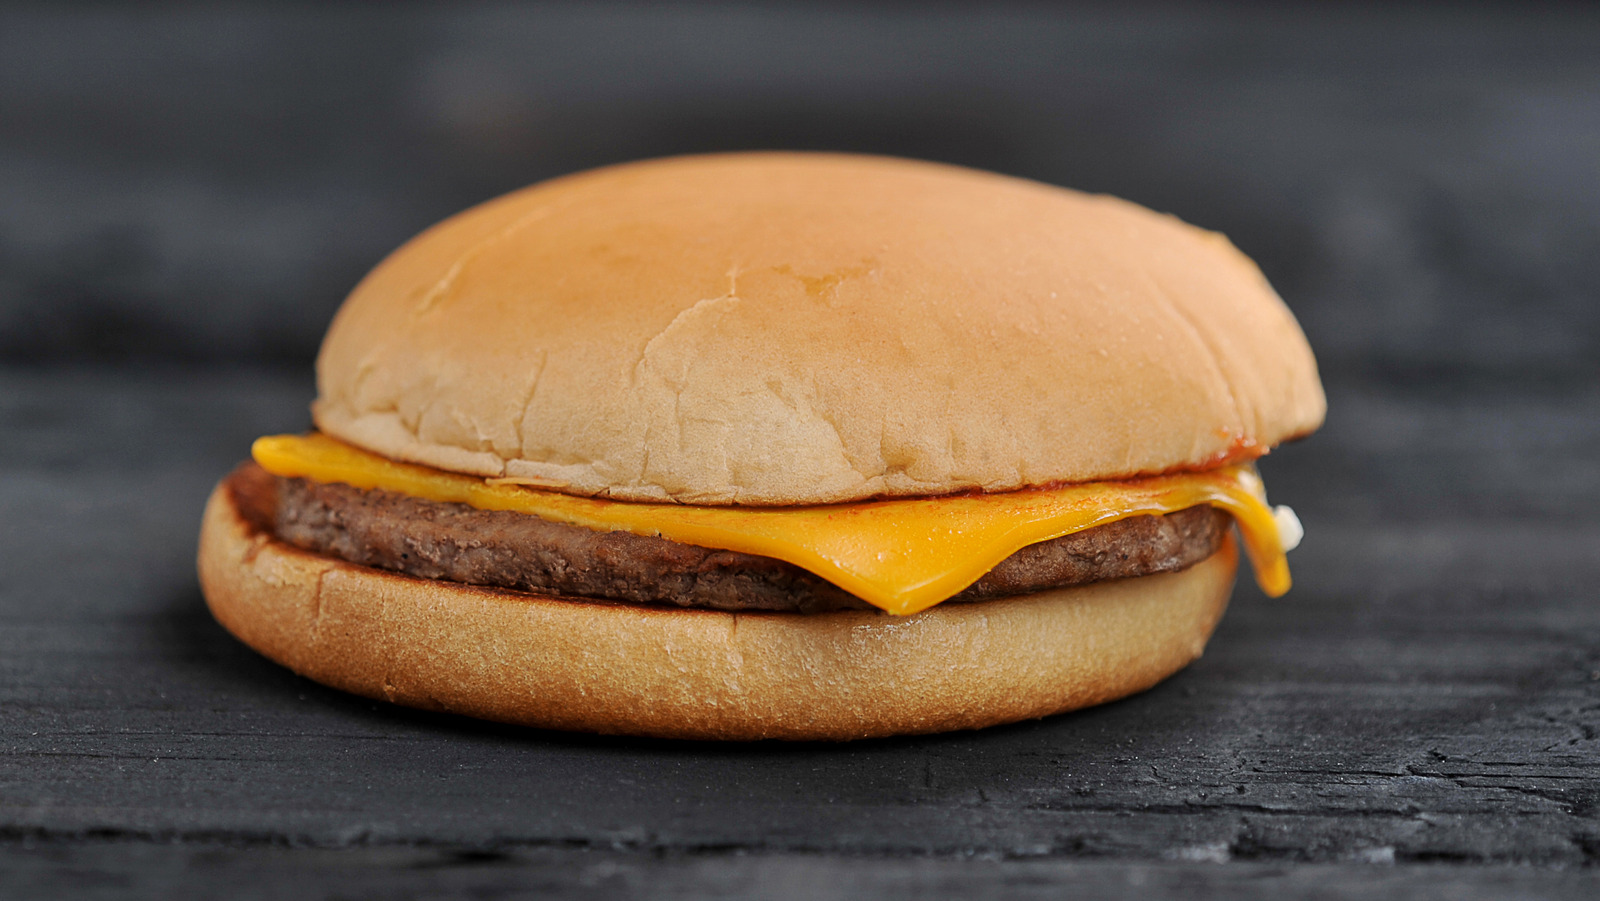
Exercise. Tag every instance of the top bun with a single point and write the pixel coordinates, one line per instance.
(782, 328)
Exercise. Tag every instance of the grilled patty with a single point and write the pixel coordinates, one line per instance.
(455, 542)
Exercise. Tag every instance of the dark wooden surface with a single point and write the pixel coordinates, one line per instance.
(187, 192)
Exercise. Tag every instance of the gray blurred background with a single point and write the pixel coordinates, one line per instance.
(193, 185)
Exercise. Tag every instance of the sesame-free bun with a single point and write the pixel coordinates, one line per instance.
(566, 663)
(804, 328)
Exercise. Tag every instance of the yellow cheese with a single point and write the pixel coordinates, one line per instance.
(903, 555)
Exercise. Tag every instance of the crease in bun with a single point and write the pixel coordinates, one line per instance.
(812, 328)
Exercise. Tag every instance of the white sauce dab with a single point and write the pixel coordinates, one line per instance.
(1290, 531)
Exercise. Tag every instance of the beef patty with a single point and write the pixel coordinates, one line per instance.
(435, 540)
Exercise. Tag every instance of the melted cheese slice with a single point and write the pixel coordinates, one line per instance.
(903, 556)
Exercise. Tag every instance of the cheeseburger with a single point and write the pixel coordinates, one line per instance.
(773, 446)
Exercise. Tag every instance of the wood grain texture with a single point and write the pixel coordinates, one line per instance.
(1419, 718)
(95, 870)
(1430, 693)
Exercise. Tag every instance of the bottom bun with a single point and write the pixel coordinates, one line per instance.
(575, 664)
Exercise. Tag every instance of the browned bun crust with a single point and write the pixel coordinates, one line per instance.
(813, 328)
(564, 663)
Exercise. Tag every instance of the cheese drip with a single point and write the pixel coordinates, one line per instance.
(902, 555)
